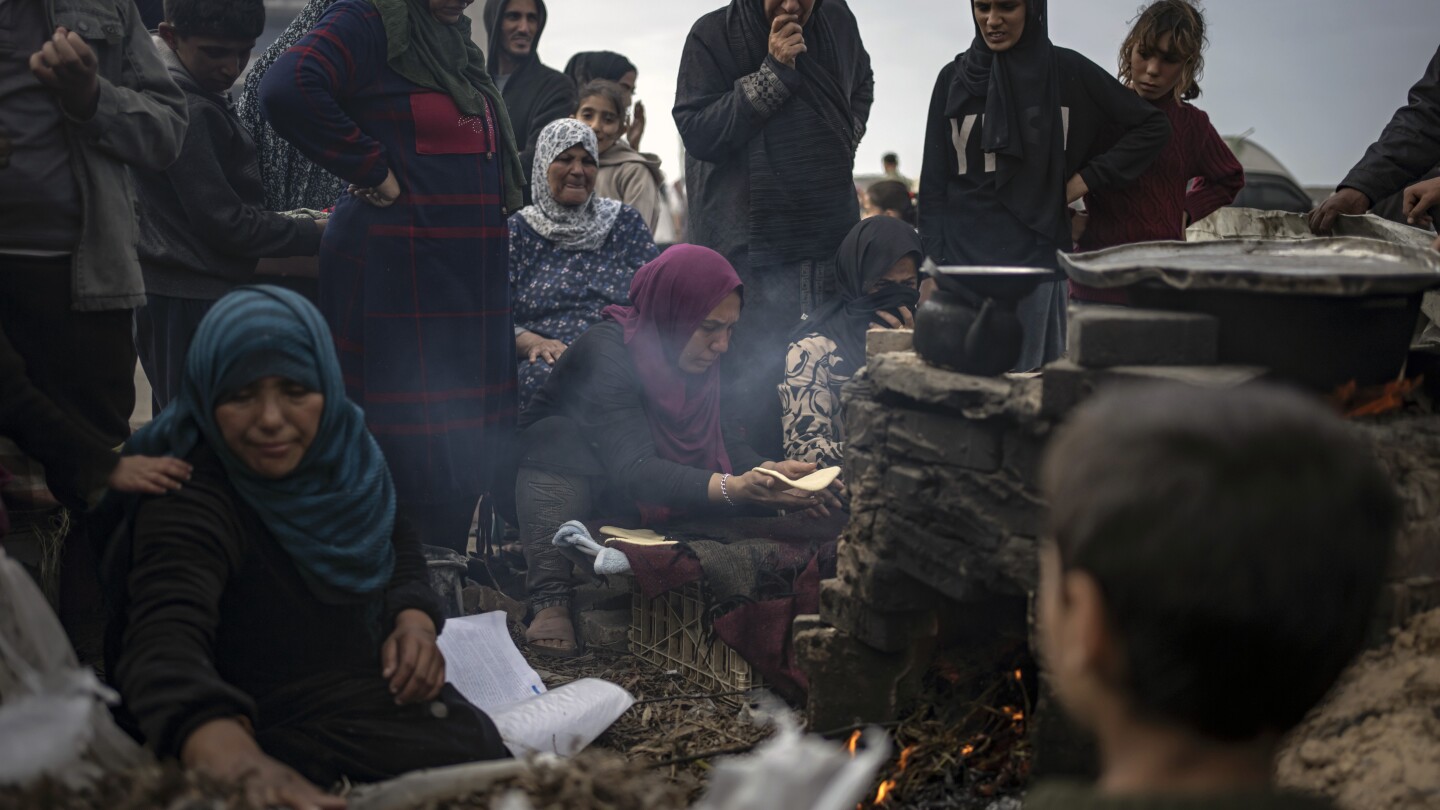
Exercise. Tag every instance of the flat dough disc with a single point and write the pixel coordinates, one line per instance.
(640, 537)
(814, 482)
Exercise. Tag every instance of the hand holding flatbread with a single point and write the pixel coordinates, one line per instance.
(814, 482)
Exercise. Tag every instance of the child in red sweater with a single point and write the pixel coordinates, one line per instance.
(1162, 60)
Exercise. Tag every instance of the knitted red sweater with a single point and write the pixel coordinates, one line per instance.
(1194, 176)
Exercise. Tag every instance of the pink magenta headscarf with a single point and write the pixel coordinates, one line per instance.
(670, 298)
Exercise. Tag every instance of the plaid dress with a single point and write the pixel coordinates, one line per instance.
(416, 294)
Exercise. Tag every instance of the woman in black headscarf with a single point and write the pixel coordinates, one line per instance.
(1019, 129)
(877, 287)
(770, 125)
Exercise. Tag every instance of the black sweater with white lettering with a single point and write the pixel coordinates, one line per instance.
(1111, 137)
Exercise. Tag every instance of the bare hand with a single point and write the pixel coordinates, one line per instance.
(68, 67)
(411, 660)
(1346, 201)
(825, 500)
(905, 321)
(763, 490)
(225, 749)
(637, 126)
(1075, 189)
(1419, 199)
(787, 39)
(531, 347)
(147, 475)
(1079, 221)
(381, 196)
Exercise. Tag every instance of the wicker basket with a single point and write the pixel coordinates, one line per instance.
(672, 632)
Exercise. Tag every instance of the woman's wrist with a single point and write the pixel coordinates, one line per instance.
(414, 618)
(217, 741)
(725, 489)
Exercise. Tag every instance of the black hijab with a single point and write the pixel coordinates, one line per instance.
(1021, 89)
(867, 254)
(588, 66)
(802, 194)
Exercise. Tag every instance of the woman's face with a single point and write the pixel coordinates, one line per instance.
(1155, 73)
(628, 81)
(800, 8)
(449, 11)
(1002, 22)
(270, 423)
(904, 273)
(572, 177)
(712, 339)
(600, 115)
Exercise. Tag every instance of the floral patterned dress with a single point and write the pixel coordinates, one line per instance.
(560, 293)
(810, 401)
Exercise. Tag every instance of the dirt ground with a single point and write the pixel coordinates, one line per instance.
(1375, 743)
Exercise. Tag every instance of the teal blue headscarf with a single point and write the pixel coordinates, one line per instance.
(335, 513)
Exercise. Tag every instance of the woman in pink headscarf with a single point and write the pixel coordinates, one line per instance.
(629, 422)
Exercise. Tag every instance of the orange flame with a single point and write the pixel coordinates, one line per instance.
(888, 786)
(905, 757)
(1019, 676)
(1355, 402)
(1017, 716)
(884, 792)
(854, 744)
(967, 750)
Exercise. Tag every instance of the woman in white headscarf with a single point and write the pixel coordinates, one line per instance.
(572, 253)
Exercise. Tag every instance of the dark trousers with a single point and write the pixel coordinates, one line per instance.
(543, 501)
(164, 329)
(83, 361)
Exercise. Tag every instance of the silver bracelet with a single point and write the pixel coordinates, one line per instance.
(724, 477)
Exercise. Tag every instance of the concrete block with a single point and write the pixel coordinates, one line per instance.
(609, 629)
(885, 341)
(885, 631)
(1104, 337)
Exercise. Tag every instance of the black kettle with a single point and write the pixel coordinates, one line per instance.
(969, 324)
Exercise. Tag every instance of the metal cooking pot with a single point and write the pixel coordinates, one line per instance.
(969, 324)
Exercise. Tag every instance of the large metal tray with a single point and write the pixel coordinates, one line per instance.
(1339, 266)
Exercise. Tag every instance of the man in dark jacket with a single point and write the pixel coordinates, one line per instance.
(1408, 149)
(534, 93)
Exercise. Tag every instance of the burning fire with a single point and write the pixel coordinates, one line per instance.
(1354, 401)
(888, 786)
(967, 750)
(853, 745)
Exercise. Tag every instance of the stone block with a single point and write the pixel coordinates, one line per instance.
(1105, 337)
(887, 341)
(885, 631)
(851, 682)
(946, 439)
(608, 629)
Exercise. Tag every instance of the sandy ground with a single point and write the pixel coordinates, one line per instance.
(1375, 743)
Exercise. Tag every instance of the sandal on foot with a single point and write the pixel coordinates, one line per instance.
(553, 628)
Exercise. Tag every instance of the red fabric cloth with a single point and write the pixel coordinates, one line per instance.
(1195, 175)
(670, 297)
(761, 631)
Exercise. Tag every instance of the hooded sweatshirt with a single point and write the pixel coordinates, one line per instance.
(534, 94)
(633, 178)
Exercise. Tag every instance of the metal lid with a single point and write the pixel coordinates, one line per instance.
(1344, 266)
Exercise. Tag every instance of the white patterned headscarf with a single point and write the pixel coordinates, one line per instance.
(583, 227)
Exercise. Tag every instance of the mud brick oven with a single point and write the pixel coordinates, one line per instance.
(946, 515)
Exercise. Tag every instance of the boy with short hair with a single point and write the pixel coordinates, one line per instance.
(203, 224)
(1215, 561)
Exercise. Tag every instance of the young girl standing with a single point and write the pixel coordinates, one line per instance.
(632, 177)
(1162, 60)
(1018, 130)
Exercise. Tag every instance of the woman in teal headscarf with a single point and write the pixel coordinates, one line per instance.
(276, 618)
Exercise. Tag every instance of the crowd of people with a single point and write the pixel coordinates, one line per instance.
(496, 327)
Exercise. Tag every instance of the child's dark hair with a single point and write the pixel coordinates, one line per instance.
(222, 19)
(1240, 539)
(608, 90)
(892, 195)
(1185, 24)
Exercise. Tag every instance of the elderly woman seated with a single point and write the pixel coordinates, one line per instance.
(629, 427)
(277, 624)
(876, 287)
(572, 253)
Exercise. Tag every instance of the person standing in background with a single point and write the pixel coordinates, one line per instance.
(588, 66)
(414, 277)
(890, 162)
(1015, 135)
(1197, 174)
(291, 181)
(772, 101)
(203, 225)
(534, 93)
(83, 96)
(1408, 149)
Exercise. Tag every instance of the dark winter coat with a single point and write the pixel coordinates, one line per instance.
(1408, 148)
(536, 94)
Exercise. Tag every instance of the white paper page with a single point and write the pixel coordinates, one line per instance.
(482, 661)
(564, 720)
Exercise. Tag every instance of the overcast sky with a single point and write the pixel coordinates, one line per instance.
(1315, 79)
